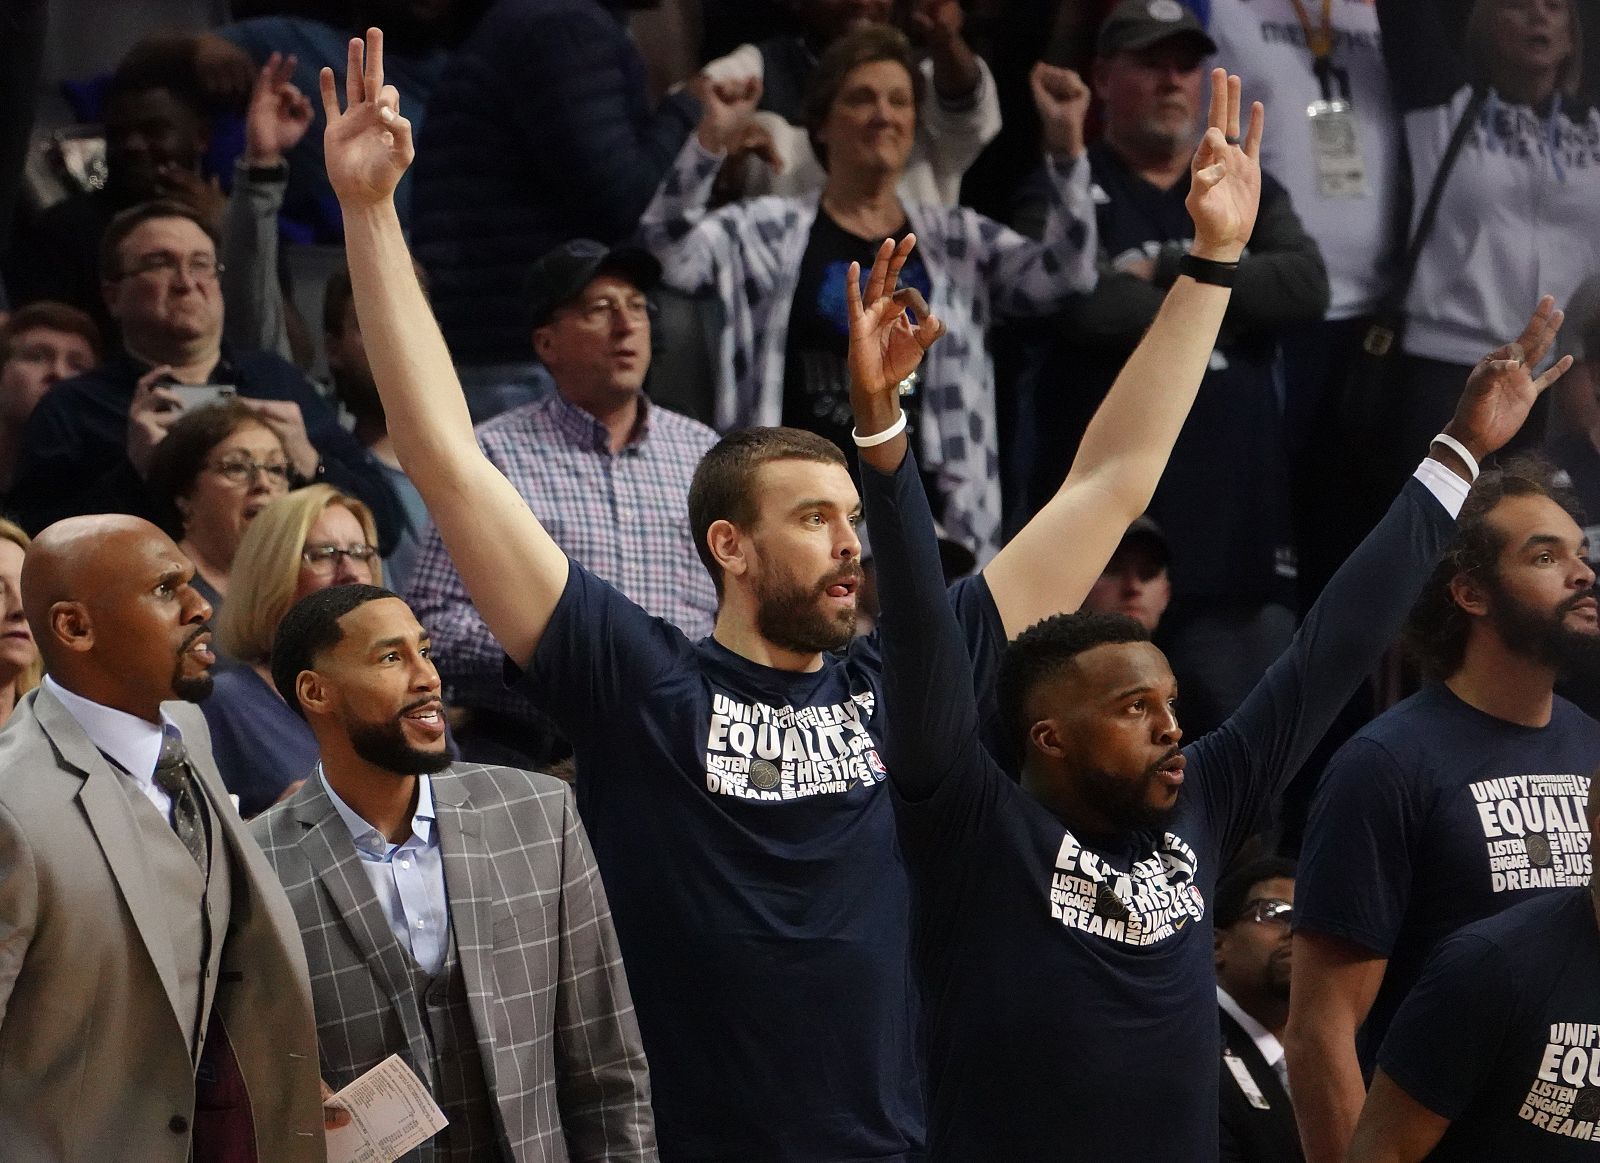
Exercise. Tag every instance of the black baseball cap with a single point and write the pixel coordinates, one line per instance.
(1137, 24)
(1149, 533)
(561, 274)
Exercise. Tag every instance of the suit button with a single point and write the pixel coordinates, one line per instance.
(178, 1125)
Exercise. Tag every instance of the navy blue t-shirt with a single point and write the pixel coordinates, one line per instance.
(1069, 987)
(1434, 816)
(747, 843)
(1502, 1035)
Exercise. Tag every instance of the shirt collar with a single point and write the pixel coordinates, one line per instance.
(1266, 1042)
(369, 840)
(131, 743)
(581, 429)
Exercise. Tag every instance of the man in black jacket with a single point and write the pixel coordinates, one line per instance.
(1224, 500)
(87, 446)
(1254, 905)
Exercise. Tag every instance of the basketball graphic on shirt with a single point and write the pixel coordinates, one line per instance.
(758, 751)
(1149, 902)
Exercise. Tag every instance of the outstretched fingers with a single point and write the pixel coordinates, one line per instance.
(852, 295)
(1553, 373)
(1541, 331)
(1252, 137)
(330, 94)
(1235, 96)
(355, 61)
(374, 70)
(1217, 117)
(880, 272)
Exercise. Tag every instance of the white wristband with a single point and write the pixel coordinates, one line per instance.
(883, 437)
(1460, 450)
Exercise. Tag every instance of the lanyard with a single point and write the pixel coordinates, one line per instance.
(1320, 42)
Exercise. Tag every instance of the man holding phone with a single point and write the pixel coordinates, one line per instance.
(87, 447)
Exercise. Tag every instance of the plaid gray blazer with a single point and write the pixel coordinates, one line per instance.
(550, 1005)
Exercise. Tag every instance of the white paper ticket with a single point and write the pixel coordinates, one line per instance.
(390, 1113)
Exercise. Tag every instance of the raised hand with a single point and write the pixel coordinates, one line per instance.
(278, 115)
(368, 146)
(726, 108)
(937, 21)
(1502, 388)
(1063, 102)
(885, 347)
(1225, 181)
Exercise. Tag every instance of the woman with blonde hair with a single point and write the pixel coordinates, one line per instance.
(20, 667)
(314, 538)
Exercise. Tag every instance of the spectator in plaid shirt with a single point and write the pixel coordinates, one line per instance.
(605, 471)
(776, 261)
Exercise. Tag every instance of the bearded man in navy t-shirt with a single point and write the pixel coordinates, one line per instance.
(1495, 1055)
(735, 788)
(1063, 932)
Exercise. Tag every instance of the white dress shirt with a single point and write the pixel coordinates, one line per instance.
(1266, 1042)
(132, 744)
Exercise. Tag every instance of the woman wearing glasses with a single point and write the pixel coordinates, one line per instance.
(314, 538)
(218, 467)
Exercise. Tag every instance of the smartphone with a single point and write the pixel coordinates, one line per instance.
(191, 396)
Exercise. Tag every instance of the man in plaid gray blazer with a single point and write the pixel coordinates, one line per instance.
(452, 913)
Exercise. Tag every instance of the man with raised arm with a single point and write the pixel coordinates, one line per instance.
(1063, 931)
(733, 787)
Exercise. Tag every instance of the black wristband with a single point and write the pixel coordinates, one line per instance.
(1204, 270)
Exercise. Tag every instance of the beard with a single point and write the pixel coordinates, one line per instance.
(1546, 637)
(384, 745)
(192, 688)
(787, 614)
(1127, 803)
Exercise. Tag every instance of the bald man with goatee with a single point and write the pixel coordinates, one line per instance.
(154, 1003)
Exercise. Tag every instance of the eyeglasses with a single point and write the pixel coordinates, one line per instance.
(199, 266)
(239, 470)
(600, 312)
(325, 558)
(1271, 912)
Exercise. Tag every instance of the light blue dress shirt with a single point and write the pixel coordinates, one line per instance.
(408, 878)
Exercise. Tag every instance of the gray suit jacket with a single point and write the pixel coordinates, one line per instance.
(94, 1064)
(550, 1005)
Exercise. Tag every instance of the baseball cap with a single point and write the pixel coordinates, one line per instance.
(1138, 24)
(1147, 531)
(559, 275)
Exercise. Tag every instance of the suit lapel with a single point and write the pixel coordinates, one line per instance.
(333, 858)
(110, 815)
(469, 892)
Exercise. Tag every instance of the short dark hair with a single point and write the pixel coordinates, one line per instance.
(1045, 649)
(724, 485)
(162, 62)
(1233, 890)
(311, 628)
(129, 220)
(180, 456)
(1436, 632)
(49, 314)
(337, 295)
(860, 46)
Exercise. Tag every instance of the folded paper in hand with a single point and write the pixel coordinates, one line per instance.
(390, 1113)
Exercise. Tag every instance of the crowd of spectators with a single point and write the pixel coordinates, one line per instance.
(653, 282)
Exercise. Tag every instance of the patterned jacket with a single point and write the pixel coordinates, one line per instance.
(750, 253)
(550, 1005)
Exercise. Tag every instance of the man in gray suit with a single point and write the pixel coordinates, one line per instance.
(154, 1003)
(452, 913)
